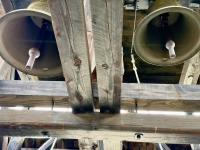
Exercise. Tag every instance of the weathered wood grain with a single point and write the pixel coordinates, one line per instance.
(5, 69)
(15, 143)
(107, 20)
(112, 145)
(88, 20)
(88, 144)
(27, 77)
(6, 5)
(191, 70)
(154, 128)
(49, 144)
(70, 31)
(32, 93)
(162, 97)
(3, 143)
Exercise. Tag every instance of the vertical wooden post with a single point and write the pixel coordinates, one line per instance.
(107, 20)
(70, 31)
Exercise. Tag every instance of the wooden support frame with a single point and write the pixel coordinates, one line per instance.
(71, 36)
(88, 144)
(15, 143)
(5, 69)
(162, 97)
(97, 126)
(191, 70)
(107, 22)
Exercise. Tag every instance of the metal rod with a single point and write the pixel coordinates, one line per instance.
(34, 52)
(169, 43)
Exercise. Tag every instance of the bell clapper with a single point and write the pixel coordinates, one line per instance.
(170, 44)
(34, 52)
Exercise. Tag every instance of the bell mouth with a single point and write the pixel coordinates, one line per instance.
(185, 32)
(19, 31)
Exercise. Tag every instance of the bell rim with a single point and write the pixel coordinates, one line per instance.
(155, 13)
(3, 52)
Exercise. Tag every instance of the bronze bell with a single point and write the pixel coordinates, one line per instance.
(26, 30)
(168, 35)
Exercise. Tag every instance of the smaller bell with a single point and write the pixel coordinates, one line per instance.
(27, 41)
(169, 32)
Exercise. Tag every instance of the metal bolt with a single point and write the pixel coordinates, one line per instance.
(45, 69)
(164, 59)
(77, 62)
(105, 66)
(45, 133)
(138, 135)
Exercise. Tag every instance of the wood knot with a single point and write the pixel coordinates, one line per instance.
(105, 66)
(94, 146)
(77, 62)
(94, 21)
(106, 91)
(79, 97)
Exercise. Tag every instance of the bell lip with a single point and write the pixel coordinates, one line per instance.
(23, 13)
(152, 15)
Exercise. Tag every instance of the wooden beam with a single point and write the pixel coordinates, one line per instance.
(107, 20)
(7, 6)
(27, 77)
(15, 143)
(25, 93)
(191, 70)
(88, 20)
(49, 144)
(162, 97)
(71, 36)
(112, 144)
(195, 146)
(161, 146)
(97, 126)
(3, 143)
(88, 144)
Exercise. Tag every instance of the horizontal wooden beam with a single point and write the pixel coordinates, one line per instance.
(167, 97)
(33, 93)
(97, 126)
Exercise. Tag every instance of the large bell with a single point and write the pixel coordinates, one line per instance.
(21, 30)
(167, 21)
